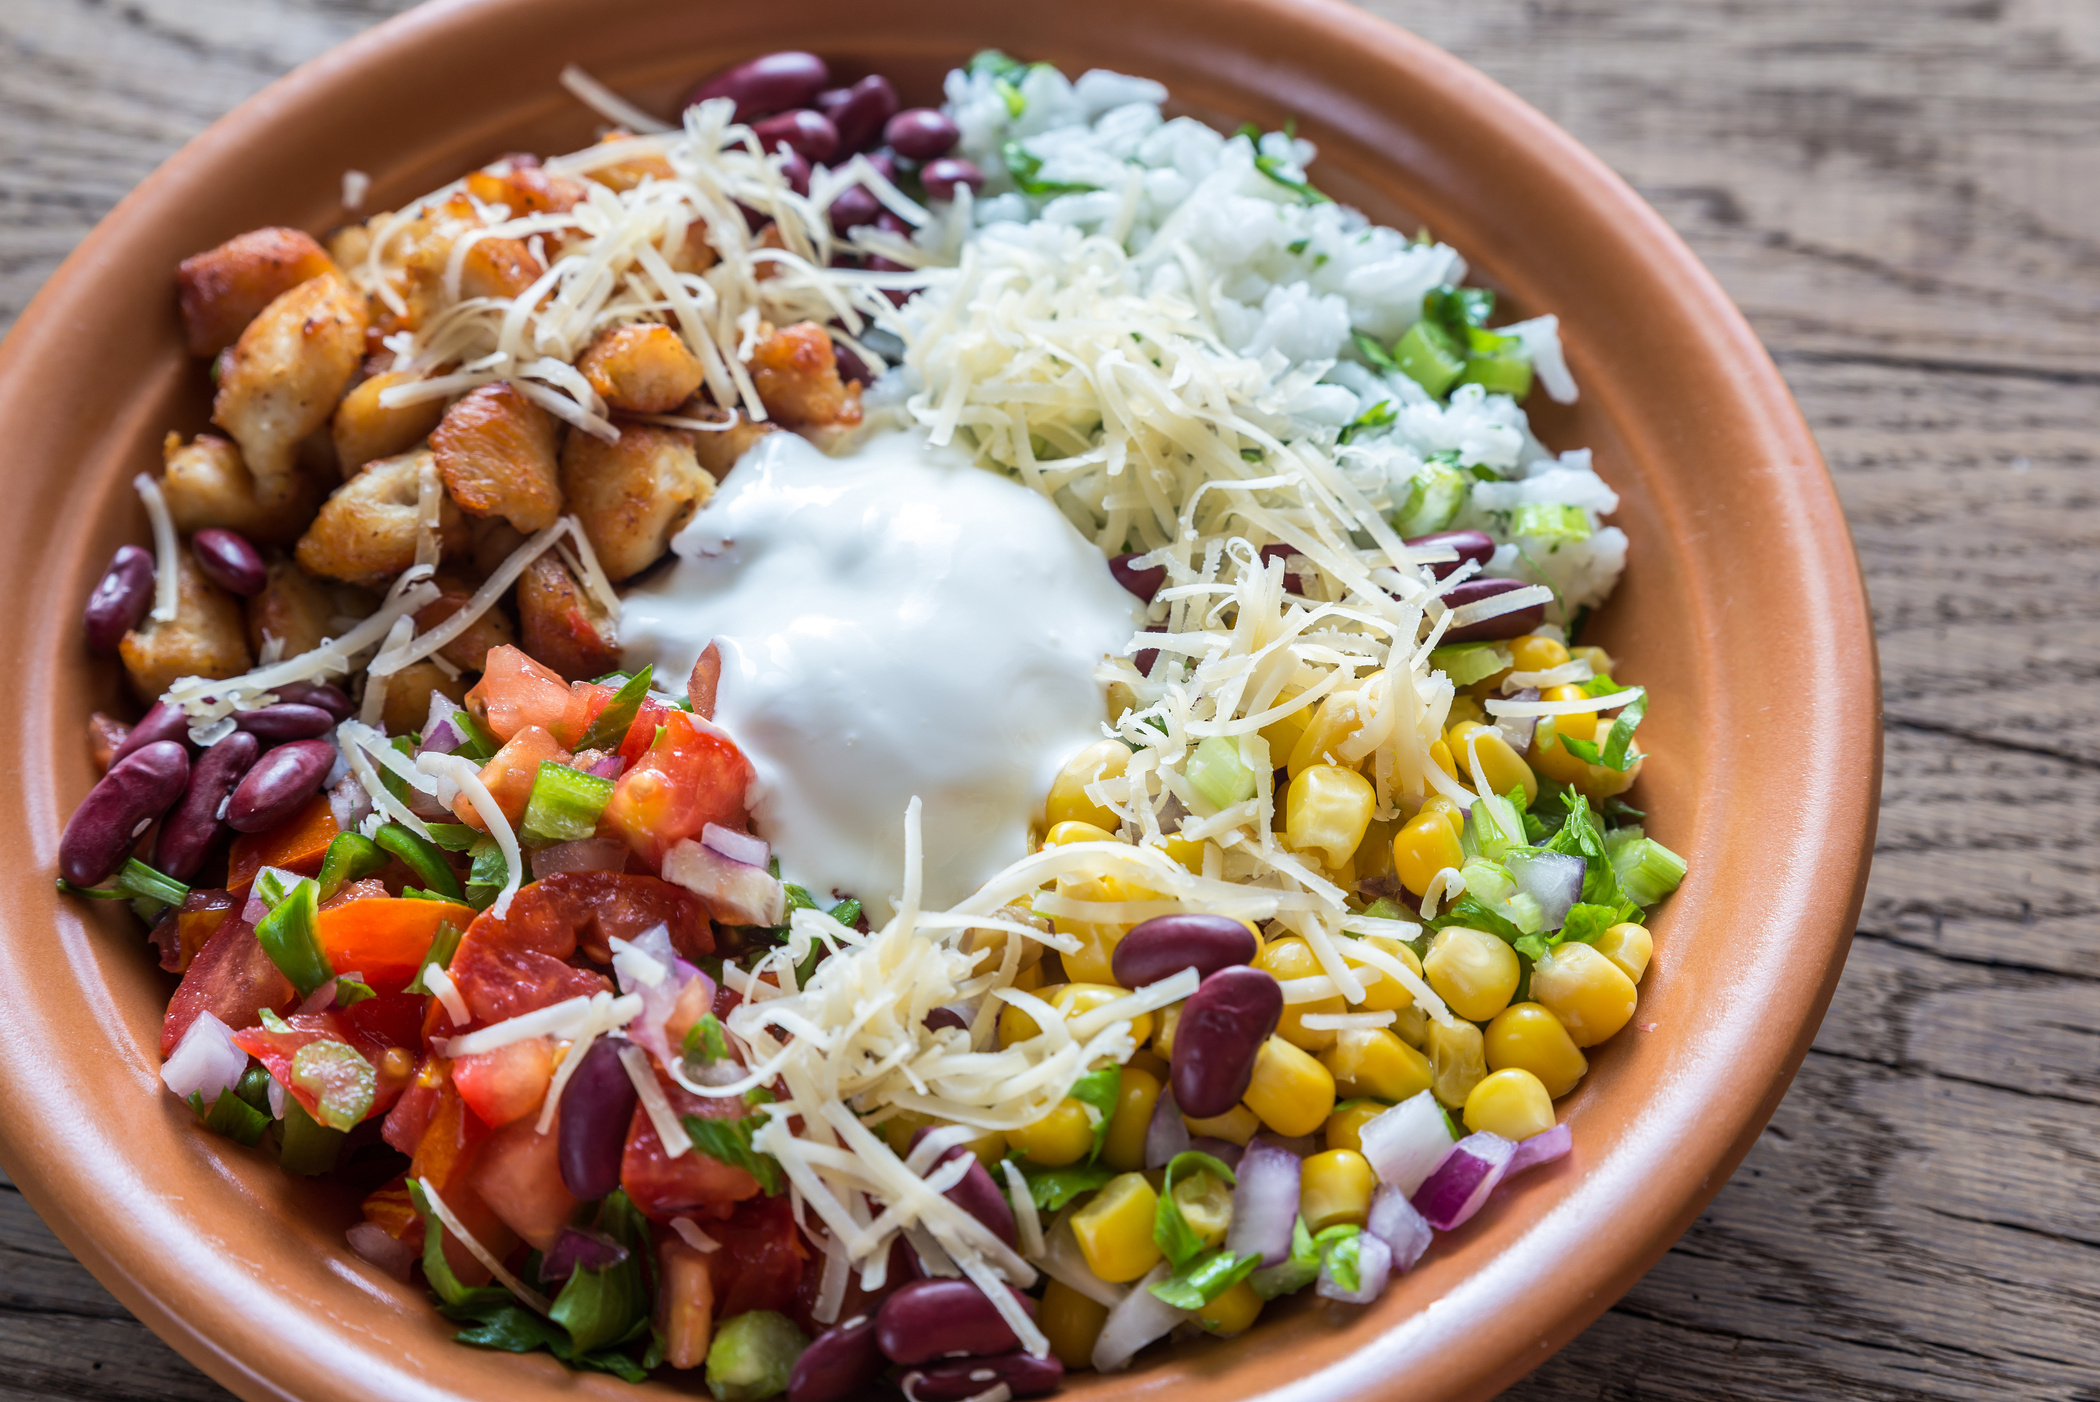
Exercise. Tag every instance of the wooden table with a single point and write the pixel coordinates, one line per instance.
(1904, 195)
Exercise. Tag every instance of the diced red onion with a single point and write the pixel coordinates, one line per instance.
(736, 892)
(439, 739)
(1138, 1320)
(579, 1249)
(609, 767)
(1541, 1148)
(1395, 1222)
(737, 846)
(1223, 1150)
(1406, 1143)
(349, 803)
(1517, 730)
(1166, 1136)
(1553, 879)
(660, 998)
(1374, 1267)
(321, 999)
(1462, 1182)
(382, 1248)
(253, 912)
(584, 854)
(1264, 1203)
(205, 1062)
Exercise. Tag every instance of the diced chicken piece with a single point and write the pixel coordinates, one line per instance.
(301, 610)
(719, 449)
(366, 531)
(561, 625)
(206, 484)
(225, 288)
(498, 267)
(283, 378)
(492, 629)
(633, 496)
(496, 450)
(204, 639)
(407, 703)
(366, 431)
(797, 376)
(526, 188)
(631, 172)
(642, 368)
(494, 541)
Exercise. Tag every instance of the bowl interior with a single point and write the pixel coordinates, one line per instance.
(1738, 552)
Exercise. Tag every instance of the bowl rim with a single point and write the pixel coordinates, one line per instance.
(119, 1252)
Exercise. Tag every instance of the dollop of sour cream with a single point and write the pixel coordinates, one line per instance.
(893, 623)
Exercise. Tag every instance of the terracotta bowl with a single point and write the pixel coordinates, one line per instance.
(1742, 609)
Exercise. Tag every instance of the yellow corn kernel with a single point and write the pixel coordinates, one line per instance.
(1289, 958)
(1341, 715)
(1387, 994)
(1457, 1061)
(1345, 1127)
(1504, 767)
(1124, 1148)
(1076, 998)
(1291, 1093)
(1328, 808)
(1374, 855)
(1372, 1061)
(1150, 1063)
(1411, 1025)
(899, 1128)
(1235, 1126)
(1206, 1205)
(1068, 802)
(1072, 1323)
(1599, 660)
(990, 942)
(1452, 813)
(1425, 846)
(1031, 979)
(1232, 1312)
(1510, 1103)
(1336, 1187)
(1114, 1230)
(1061, 1137)
(1186, 850)
(1067, 832)
(1472, 971)
(1016, 1026)
(1441, 753)
(1533, 653)
(1466, 708)
(1163, 1035)
(1094, 961)
(1529, 1038)
(989, 1145)
(1596, 782)
(1590, 995)
(1563, 693)
(1628, 945)
(1284, 732)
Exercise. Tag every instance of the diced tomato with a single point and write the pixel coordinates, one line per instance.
(694, 1183)
(372, 1027)
(760, 1263)
(394, 1211)
(499, 982)
(687, 779)
(296, 844)
(232, 979)
(182, 931)
(508, 1083)
(510, 775)
(641, 733)
(586, 700)
(418, 1104)
(386, 939)
(515, 691)
(589, 909)
(518, 1174)
(444, 1154)
(369, 888)
(482, 1223)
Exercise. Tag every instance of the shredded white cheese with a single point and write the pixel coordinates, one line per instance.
(167, 563)
(447, 993)
(654, 1102)
(463, 774)
(481, 1253)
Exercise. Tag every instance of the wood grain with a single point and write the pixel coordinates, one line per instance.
(1904, 195)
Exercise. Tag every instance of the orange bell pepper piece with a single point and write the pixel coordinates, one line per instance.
(296, 844)
(385, 940)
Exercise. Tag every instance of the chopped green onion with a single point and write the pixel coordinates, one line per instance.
(1374, 351)
(340, 1080)
(1204, 1279)
(1274, 166)
(704, 1042)
(613, 723)
(1026, 167)
(1217, 772)
(1466, 663)
(270, 886)
(142, 880)
(730, 1142)
(351, 856)
(1434, 497)
(310, 1147)
(565, 803)
(1170, 1229)
(231, 1116)
(488, 875)
(1379, 415)
(1294, 1273)
(421, 857)
(1097, 1091)
(846, 912)
(453, 837)
(752, 1356)
(478, 744)
(1504, 373)
(254, 1087)
(1458, 310)
(350, 990)
(1430, 357)
(1613, 754)
(1052, 1188)
(394, 783)
(1011, 96)
(1553, 524)
(993, 62)
(290, 935)
(1647, 870)
(1341, 1248)
(443, 945)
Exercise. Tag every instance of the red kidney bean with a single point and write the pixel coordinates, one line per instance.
(811, 134)
(889, 223)
(976, 1194)
(854, 206)
(772, 83)
(885, 162)
(138, 788)
(230, 562)
(1223, 1025)
(1024, 1376)
(187, 833)
(1293, 583)
(859, 112)
(1477, 546)
(287, 720)
(854, 371)
(320, 694)
(596, 1107)
(904, 1265)
(941, 1018)
(1143, 660)
(921, 134)
(1142, 582)
(279, 783)
(795, 169)
(1508, 625)
(942, 178)
(934, 1318)
(838, 1363)
(122, 597)
(161, 722)
(1165, 945)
